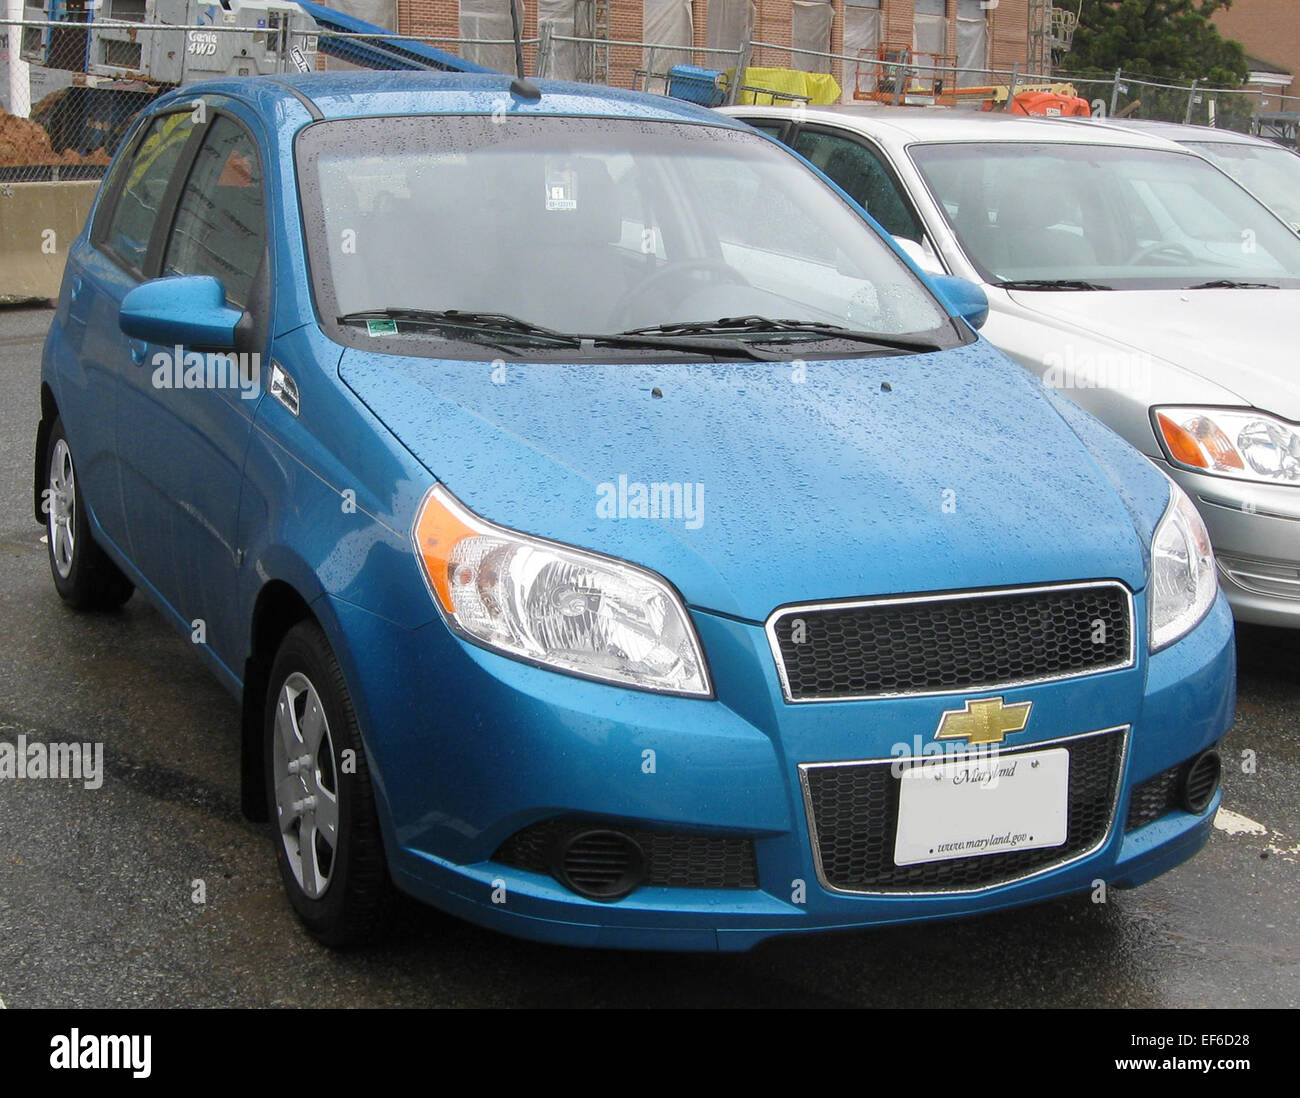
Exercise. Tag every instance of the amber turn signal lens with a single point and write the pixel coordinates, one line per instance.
(1199, 444)
(437, 533)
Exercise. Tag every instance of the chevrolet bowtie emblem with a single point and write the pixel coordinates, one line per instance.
(983, 722)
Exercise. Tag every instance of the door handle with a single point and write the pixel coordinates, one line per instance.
(75, 291)
(139, 349)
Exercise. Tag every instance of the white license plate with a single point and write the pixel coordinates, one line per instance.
(971, 805)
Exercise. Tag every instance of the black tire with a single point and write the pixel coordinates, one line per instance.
(83, 574)
(357, 897)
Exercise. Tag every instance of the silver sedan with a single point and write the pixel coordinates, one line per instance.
(1124, 270)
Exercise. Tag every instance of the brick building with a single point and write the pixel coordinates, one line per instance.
(1270, 31)
(969, 34)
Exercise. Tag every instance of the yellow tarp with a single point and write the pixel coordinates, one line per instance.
(819, 87)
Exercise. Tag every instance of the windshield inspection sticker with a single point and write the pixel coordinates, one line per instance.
(561, 189)
(381, 327)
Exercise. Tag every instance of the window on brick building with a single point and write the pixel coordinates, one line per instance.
(667, 22)
(731, 22)
(488, 19)
(972, 40)
(810, 29)
(861, 39)
(562, 64)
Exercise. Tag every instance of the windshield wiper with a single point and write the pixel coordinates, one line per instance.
(812, 328)
(467, 321)
(1051, 284)
(1232, 284)
(505, 325)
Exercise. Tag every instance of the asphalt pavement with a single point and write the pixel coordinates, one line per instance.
(98, 886)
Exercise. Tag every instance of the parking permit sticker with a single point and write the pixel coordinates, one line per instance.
(561, 189)
(381, 327)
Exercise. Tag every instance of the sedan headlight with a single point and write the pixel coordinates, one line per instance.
(557, 606)
(1183, 582)
(1229, 442)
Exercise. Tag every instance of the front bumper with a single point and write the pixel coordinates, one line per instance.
(468, 748)
(1255, 529)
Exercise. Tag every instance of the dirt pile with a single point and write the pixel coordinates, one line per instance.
(24, 142)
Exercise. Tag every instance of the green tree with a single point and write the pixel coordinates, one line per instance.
(1170, 40)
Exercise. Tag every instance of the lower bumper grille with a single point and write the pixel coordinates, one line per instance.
(672, 859)
(1154, 798)
(1264, 577)
(853, 816)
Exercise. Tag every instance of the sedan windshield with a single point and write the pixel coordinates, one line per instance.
(533, 231)
(1271, 172)
(1039, 215)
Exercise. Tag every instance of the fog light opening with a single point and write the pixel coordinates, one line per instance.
(1201, 781)
(599, 864)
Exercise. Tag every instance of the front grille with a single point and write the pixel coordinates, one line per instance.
(853, 816)
(948, 644)
(673, 859)
(1154, 798)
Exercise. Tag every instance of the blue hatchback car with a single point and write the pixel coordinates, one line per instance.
(611, 537)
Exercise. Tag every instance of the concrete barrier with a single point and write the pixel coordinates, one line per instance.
(38, 223)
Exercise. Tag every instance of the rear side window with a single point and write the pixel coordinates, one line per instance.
(220, 225)
(136, 209)
(862, 174)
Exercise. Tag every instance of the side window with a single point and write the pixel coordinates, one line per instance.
(132, 219)
(220, 225)
(864, 176)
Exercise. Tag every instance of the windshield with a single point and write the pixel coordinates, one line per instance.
(1107, 216)
(1271, 172)
(592, 226)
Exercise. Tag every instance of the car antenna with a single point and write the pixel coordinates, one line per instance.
(520, 85)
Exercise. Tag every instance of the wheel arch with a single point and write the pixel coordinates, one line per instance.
(278, 608)
(49, 413)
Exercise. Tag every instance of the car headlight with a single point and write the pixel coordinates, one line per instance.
(1229, 442)
(554, 605)
(1183, 581)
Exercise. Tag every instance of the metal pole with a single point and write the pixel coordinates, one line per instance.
(743, 56)
(1114, 93)
(1191, 101)
(650, 69)
(544, 47)
(518, 32)
(1011, 88)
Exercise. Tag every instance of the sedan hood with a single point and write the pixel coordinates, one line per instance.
(863, 477)
(1235, 339)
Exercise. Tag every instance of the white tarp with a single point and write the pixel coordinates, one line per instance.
(487, 19)
(558, 14)
(810, 29)
(668, 21)
(861, 38)
(382, 13)
(731, 22)
(972, 41)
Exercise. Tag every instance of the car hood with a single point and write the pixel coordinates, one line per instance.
(854, 478)
(1232, 338)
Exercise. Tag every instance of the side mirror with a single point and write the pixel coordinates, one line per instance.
(964, 298)
(921, 255)
(189, 310)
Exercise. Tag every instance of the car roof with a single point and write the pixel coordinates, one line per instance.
(369, 93)
(924, 124)
(1177, 131)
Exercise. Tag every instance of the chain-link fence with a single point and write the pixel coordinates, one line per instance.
(74, 88)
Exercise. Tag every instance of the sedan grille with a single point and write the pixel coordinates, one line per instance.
(853, 818)
(941, 644)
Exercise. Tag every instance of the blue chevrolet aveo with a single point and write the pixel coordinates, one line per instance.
(611, 538)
